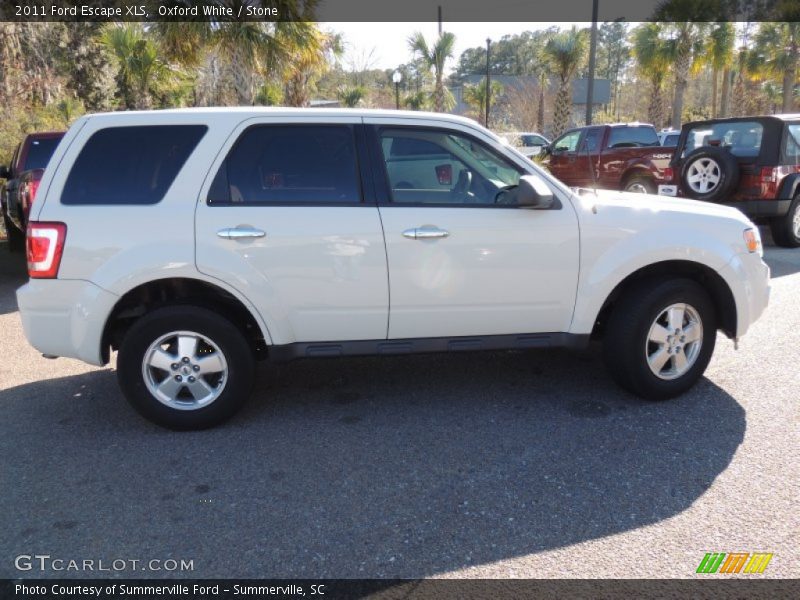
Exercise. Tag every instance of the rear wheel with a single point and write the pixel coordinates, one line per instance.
(639, 184)
(185, 367)
(709, 173)
(660, 337)
(786, 229)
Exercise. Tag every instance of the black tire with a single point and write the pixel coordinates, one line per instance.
(225, 335)
(784, 229)
(15, 238)
(728, 174)
(640, 184)
(626, 346)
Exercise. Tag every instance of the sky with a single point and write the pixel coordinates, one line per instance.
(391, 48)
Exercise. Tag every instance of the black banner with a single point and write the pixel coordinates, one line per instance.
(391, 589)
(398, 11)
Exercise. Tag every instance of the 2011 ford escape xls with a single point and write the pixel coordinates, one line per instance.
(198, 241)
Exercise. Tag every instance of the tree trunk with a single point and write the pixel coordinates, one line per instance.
(739, 100)
(540, 110)
(562, 109)
(715, 77)
(655, 111)
(438, 94)
(726, 88)
(682, 65)
(241, 74)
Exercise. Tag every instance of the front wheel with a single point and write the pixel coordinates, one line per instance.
(786, 229)
(185, 367)
(660, 337)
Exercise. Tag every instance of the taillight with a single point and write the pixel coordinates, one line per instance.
(668, 174)
(45, 245)
(33, 187)
(769, 175)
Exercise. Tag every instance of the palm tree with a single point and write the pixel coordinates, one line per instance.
(416, 101)
(141, 69)
(653, 60)
(245, 52)
(475, 95)
(777, 48)
(350, 97)
(719, 56)
(684, 47)
(434, 57)
(565, 52)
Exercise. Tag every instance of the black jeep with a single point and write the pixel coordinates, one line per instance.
(750, 163)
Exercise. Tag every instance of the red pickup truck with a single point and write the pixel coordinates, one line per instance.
(22, 181)
(625, 156)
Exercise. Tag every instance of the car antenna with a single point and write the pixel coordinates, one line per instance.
(591, 166)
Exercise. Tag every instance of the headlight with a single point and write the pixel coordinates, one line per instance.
(752, 239)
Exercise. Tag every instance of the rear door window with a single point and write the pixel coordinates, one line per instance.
(130, 165)
(289, 164)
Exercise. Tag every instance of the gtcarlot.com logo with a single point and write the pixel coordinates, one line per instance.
(45, 562)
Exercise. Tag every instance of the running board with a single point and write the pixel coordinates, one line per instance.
(288, 352)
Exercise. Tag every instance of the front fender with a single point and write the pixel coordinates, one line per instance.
(611, 253)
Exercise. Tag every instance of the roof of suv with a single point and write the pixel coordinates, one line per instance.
(772, 118)
(291, 111)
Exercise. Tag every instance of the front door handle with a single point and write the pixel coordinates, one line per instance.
(238, 233)
(426, 232)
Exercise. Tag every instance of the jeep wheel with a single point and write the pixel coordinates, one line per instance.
(640, 184)
(786, 229)
(185, 367)
(709, 174)
(659, 338)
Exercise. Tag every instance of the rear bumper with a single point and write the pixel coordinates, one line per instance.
(748, 277)
(65, 317)
(761, 208)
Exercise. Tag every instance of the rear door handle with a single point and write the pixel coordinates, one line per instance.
(238, 233)
(426, 232)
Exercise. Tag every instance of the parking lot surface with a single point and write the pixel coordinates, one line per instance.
(504, 464)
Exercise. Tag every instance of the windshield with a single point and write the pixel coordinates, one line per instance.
(742, 137)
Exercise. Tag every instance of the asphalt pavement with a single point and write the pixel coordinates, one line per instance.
(503, 464)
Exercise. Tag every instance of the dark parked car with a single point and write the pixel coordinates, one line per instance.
(751, 163)
(623, 156)
(22, 182)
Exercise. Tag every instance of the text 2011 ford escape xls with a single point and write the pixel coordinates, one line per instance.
(195, 242)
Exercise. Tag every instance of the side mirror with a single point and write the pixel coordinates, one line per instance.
(548, 149)
(533, 192)
(4, 172)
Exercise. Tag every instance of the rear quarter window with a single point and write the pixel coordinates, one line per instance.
(130, 165)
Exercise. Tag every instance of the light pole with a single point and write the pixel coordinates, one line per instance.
(592, 58)
(397, 77)
(488, 84)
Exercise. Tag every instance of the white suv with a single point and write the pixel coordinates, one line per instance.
(198, 241)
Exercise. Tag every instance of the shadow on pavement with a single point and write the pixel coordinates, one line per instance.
(400, 467)
(13, 273)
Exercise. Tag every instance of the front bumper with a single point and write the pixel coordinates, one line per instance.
(748, 278)
(761, 208)
(65, 317)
